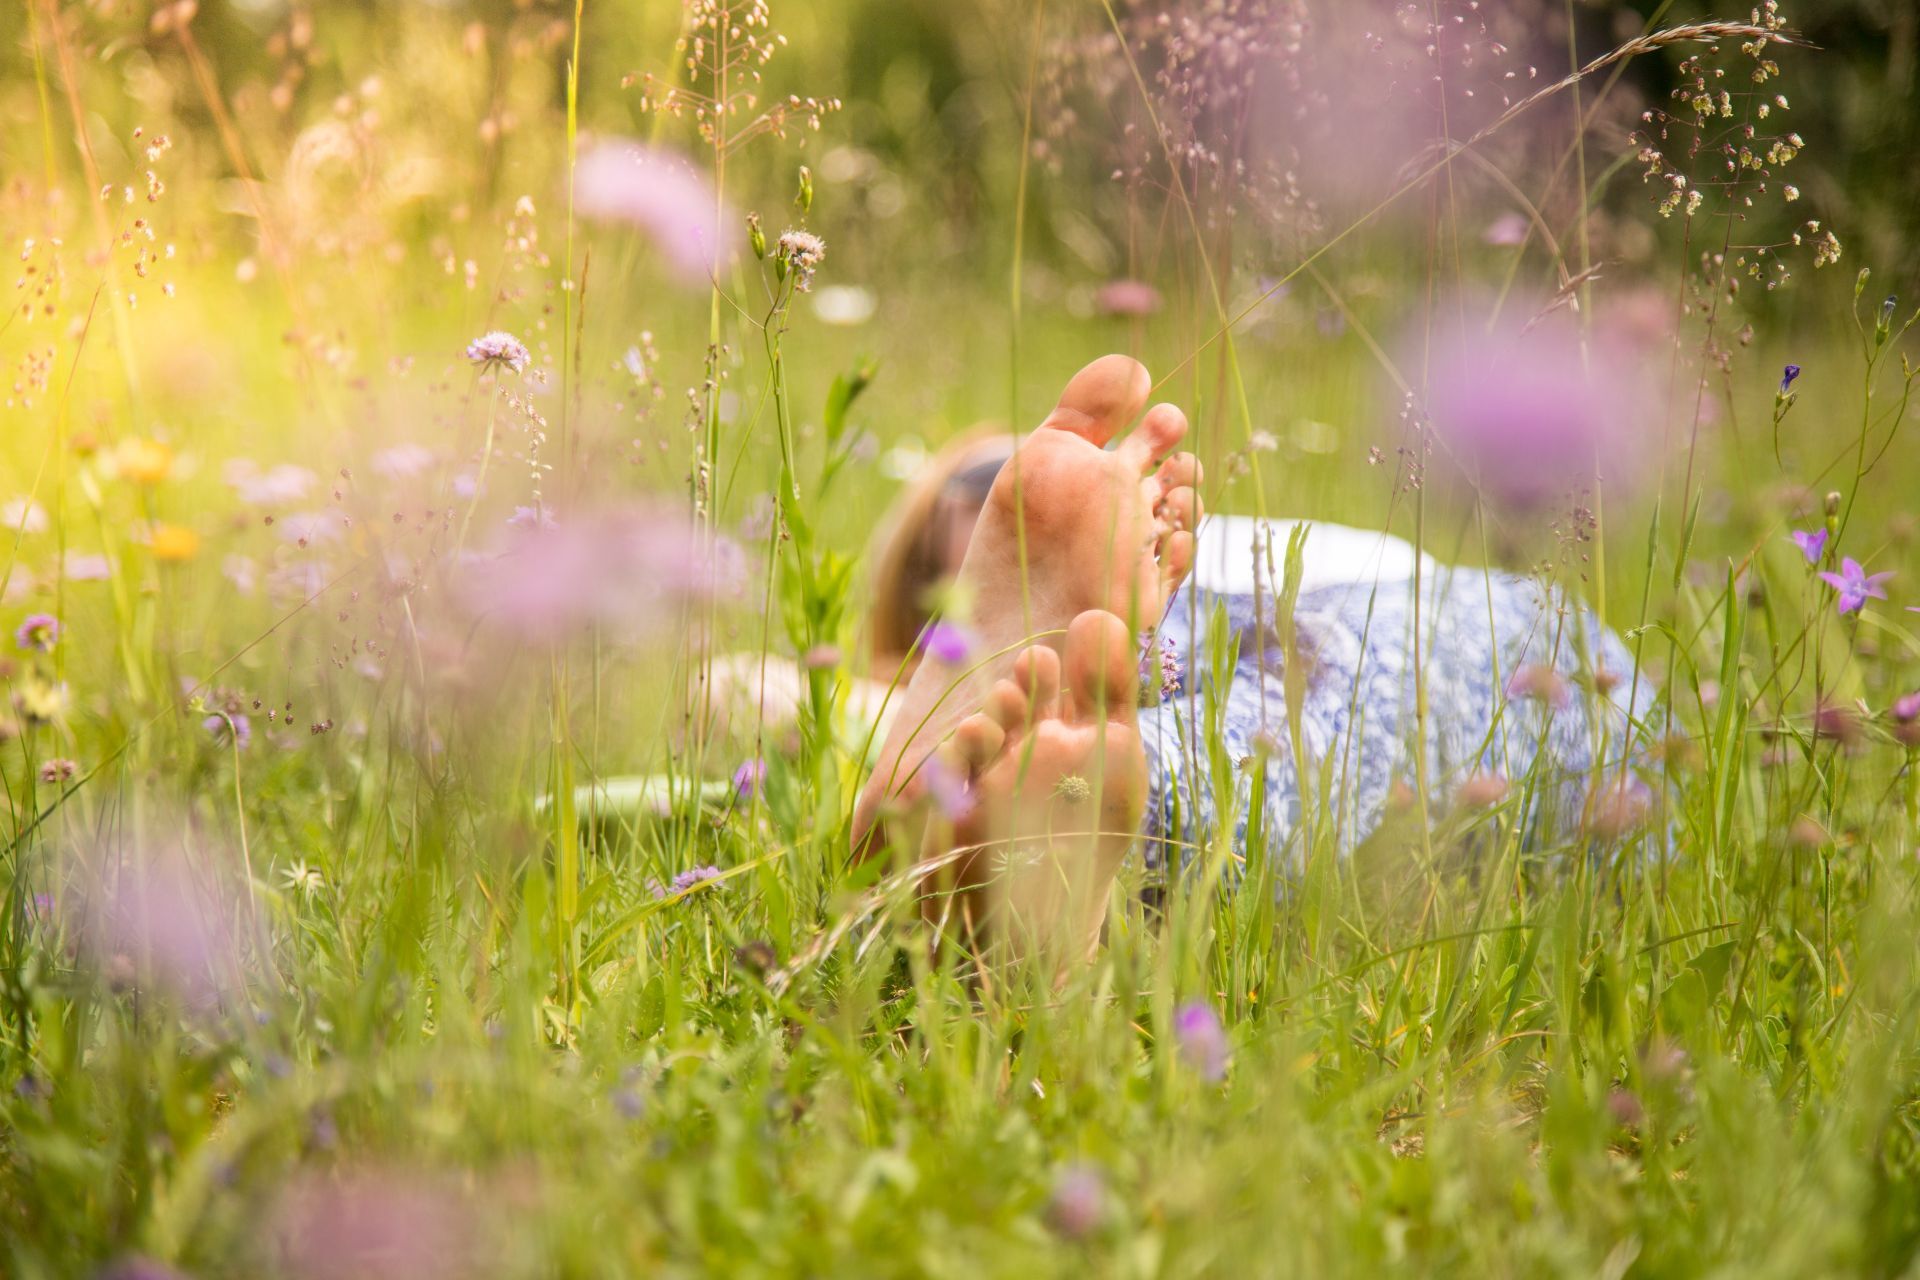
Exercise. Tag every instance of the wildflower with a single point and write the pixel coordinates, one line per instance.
(801, 252)
(1855, 585)
(1787, 376)
(1078, 1201)
(278, 486)
(58, 770)
(402, 460)
(1838, 723)
(302, 879)
(1201, 1039)
(687, 880)
(661, 194)
(946, 642)
(173, 544)
(1166, 673)
(1906, 708)
(238, 724)
(1531, 414)
(1540, 681)
(749, 778)
(87, 567)
(1617, 807)
(498, 350)
(1127, 298)
(1507, 230)
(145, 462)
(40, 632)
(23, 515)
(1482, 791)
(1812, 543)
(40, 701)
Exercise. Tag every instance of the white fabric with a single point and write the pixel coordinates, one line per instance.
(1244, 555)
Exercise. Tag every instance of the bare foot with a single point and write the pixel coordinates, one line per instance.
(1056, 779)
(1070, 526)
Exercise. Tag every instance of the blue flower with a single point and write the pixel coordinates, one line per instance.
(1787, 377)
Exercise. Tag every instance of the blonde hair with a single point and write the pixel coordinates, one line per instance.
(906, 564)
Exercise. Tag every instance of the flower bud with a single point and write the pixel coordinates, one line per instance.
(805, 196)
(756, 237)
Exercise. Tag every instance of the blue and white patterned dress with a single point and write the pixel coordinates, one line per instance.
(1518, 684)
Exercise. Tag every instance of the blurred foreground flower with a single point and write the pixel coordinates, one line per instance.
(142, 461)
(1078, 1201)
(660, 193)
(374, 1225)
(1535, 414)
(158, 921)
(1127, 298)
(173, 544)
(40, 632)
(23, 515)
(627, 569)
(1201, 1039)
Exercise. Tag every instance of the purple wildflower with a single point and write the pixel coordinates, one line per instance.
(1906, 708)
(661, 194)
(58, 770)
(1812, 543)
(218, 725)
(947, 642)
(1202, 1040)
(749, 778)
(688, 879)
(1127, 298)
(1855, 585)
(1787, 376)
(496, 350)
(1078, 1201)
(40, 632)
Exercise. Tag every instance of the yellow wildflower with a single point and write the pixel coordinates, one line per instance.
(143, 461)
(174, 543)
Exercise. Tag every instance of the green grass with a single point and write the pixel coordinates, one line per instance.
(428, 1020)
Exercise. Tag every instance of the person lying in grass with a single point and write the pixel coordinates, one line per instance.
(1285, 710)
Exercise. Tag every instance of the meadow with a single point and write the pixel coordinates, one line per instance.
(407, 403)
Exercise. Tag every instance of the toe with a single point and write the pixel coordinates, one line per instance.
(1101, 399)
(1182, 469)
(1176, 559)
(1006, 705)
(1102, 671)
(1180, 509)
(978, 740)
(1164, 427)
(1037, 673)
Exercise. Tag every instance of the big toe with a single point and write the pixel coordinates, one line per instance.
(1101, 399)
(1102, 669)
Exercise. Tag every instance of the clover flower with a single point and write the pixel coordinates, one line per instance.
(39, 633)
(1855, 585)
(1812, 543)
(800, 252)
(498, 350)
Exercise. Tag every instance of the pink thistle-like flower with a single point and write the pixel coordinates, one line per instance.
(58, 770)
(1812, 543)
(686, 880)
(1855, 585)
(1617, 807)
(1130, 298)
(1201, 1039)
(499, 350)
(38, 633)
(241, 727)
(87, 566)
(1539, 681)
(802, 252)
(660, 193)
(1906, 708)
